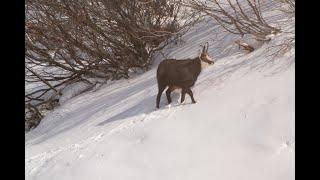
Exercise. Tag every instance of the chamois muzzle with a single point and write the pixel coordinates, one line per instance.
(208, 60)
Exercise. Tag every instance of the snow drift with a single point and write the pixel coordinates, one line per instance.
(242, 126)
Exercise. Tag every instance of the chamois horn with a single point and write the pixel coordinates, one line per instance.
(204, 48)
(207, 46)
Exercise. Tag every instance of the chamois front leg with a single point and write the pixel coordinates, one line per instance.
(191, 95)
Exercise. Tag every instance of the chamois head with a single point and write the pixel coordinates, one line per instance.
(204, 55)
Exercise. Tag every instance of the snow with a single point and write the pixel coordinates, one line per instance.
(73, 90)
(242, 126)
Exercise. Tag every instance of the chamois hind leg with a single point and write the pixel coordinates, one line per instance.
(183, 94)
(188, 90)
(168, 92)
(160, 90)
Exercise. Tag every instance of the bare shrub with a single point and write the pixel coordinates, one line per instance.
(78, 40)
(237, 17)
(289, 6)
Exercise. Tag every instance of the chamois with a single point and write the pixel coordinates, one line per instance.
(180, 74)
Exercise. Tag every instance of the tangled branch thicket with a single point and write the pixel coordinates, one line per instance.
(290, 6)
(237, 16)
(74, 40)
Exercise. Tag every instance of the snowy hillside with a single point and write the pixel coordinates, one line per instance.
(242, 126)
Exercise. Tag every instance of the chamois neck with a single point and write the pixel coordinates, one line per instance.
(197, 65)
(197, 59)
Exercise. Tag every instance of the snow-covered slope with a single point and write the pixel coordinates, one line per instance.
(242, 126)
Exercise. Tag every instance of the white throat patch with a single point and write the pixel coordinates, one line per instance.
(204, 65)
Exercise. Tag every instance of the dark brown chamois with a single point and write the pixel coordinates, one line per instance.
(180, 74)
